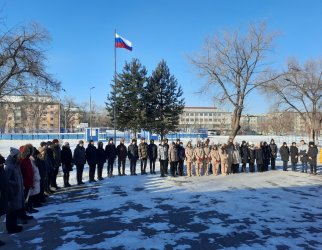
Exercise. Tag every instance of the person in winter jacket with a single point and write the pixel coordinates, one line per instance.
(101, 159)
(49, 166)
(199, 156)
(230, 150)
(57, 162)
(207, 159)
(294, 153)
(133, 154)
(273, 153)
(110, 151)
(223, 154)
(215, 159)
(251, 150)
(67, 162)
(80, 160)
(33, 200)
(163, 158)
(121, 152)
(236, 159)
(259, 158)
(182, 155)
(4, 190)
(312, 155)
(189, 153)
(16, 200)
(143, 155)
(285, 155)
(91, 158)
(153, 155)
(303, 149)
(166, 144)
(173, 158)
(244, 151)
(42, 167)
(266, 155)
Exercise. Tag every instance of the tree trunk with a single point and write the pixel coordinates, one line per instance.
(235, 123)
(312, 134)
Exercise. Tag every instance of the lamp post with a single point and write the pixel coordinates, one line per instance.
(90, 111)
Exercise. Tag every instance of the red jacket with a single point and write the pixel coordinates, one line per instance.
(27, 172)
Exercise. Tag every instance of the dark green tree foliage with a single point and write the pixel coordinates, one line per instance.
(163, 101)
(129, 89)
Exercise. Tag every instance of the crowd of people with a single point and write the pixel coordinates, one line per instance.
(28, 175)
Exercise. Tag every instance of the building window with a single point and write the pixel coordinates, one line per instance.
(51, 125)
(51, 118)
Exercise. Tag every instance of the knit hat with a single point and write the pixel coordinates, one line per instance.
(42, 144)
(26, 151)
(49, 143)
(81, 142)
(14, 152)
(55, 141)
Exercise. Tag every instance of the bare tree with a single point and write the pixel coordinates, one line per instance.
(300, 90)
(233, 63)
(22, 62)
(69, 113)
(280, 122)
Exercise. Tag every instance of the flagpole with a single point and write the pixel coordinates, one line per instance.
(114, 88)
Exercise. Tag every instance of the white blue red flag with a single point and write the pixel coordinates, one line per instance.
(121, 42)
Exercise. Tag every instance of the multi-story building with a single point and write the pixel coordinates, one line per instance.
(36, 114)
(210, 118)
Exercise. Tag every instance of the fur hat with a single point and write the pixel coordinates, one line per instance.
(81, 142)
(14, 152)
(42, 144)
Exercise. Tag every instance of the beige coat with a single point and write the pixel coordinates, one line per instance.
(207, 154)
(215, 157)
(189, 154)
(223, 158)
(199, 154)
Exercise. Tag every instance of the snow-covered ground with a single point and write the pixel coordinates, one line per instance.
(271, 210)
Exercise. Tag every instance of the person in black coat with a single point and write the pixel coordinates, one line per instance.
(259, 158)
(101, 159)
(285, 155)
(166, 163)
(110, 151)
(80, 160)
(312, 154)
(121, 152)
(91, 158)
(49, 166)
(57, 162)
(273, 153)
(266, 156)
(251, 151)
(133, 154)
(294, 153)
(244, 152)
(67, 163)
(182, 156)
(4, 188)
(152, 155)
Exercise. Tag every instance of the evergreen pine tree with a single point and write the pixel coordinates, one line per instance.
(129, 91)
(163, 102)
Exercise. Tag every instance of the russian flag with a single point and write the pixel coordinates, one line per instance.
(120, 42)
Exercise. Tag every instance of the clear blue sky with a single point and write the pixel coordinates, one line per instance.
(80, 54)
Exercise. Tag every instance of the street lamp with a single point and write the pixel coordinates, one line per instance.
(90, 111)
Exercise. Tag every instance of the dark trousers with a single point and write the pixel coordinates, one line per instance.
(121, 164)
(180, 168)
(110, 165)
(294, 165)
(234, 168)
(54, 174)
(11, 220)
(143, 165)
(152, 165)
(243, 168)
(260, 167)
(166, 164)
(47, 181)
(273, 160)
(251, 167)
(66, 178)
(92, 168)
(284, 165)
(162, 167)
(133, 166)
(313, 168)
(100, 170)
(173, 167)
(79, 173)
